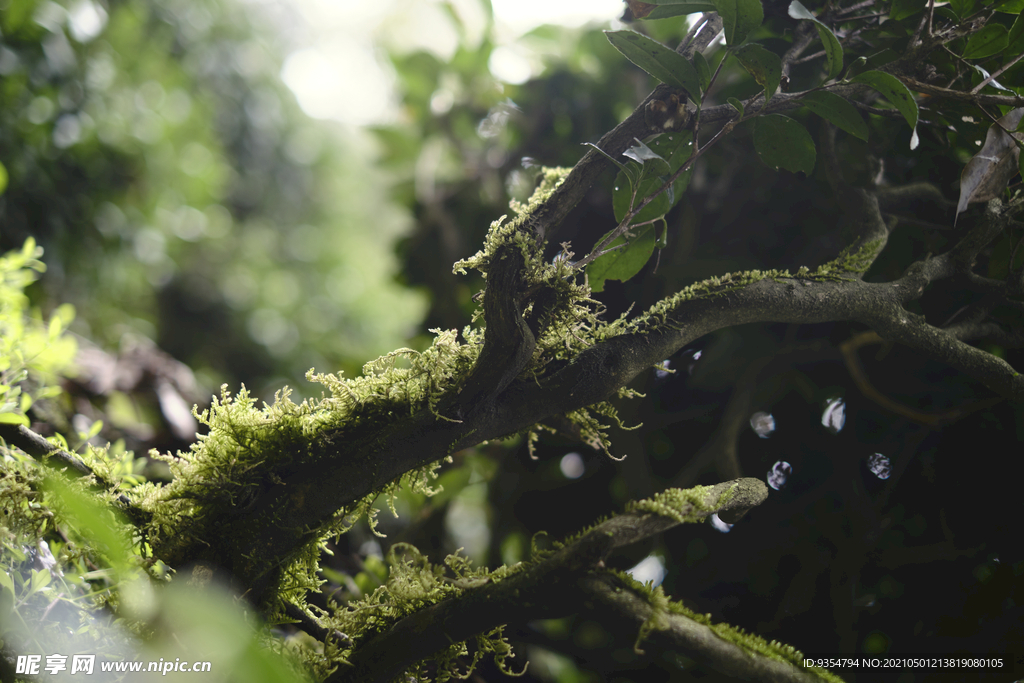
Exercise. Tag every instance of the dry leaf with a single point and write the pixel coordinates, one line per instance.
(640, 9)
(987, 173)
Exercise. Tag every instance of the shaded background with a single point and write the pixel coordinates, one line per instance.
(208, 231)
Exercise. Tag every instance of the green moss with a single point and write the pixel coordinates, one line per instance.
(517, 231)
(839, 269)
(413, 584)
(682, 505)
(852, 261)
(662, 606)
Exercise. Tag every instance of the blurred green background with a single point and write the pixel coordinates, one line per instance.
(207, 230)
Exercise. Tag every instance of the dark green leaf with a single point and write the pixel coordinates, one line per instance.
(740, 18)
(624, 199)
(764, 66)
(703, 70)
(781, 142)
(1015, 41)
(892, 90)
(1009, 6)
(961, 7)
(833, 50)
(667, 65)
(673, 148)
(624, 263)
(946, 13)
(835, 109)
(901, 9)
(990, 40)
(676, 148)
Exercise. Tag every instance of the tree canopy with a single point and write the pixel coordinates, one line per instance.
(735, 283)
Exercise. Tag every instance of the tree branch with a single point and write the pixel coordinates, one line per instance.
(613, 143)
(544, 589)
(612, 599)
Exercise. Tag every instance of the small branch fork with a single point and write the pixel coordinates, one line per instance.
(556, 586)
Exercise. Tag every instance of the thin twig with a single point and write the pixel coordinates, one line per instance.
(996, 74)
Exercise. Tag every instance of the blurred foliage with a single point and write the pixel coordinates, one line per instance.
(33, 352)
(69, 562)
(181, 194)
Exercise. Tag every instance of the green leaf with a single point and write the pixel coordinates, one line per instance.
(901, 9)
(40, 580)
(833, 50)
(13, 419)
(1009, 6)
(782, 142)
(703, 70)
(3, 178)
(1015, 41)
(740, 17)
(624, 263)
(990, 40)
(838, 111)
(652, 162)
(667, 65)
(673, 148)
(892, 90)
(736, 104)
(623, 199)
(764, 66)
(961, 7)
(6, 582)
(666, 9)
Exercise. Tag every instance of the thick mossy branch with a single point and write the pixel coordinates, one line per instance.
(259, 494)
(406, 630)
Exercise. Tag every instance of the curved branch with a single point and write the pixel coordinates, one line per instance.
(545, 589)
(611, 598)
(508, 341)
